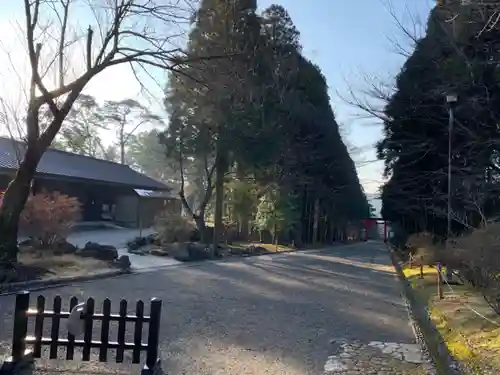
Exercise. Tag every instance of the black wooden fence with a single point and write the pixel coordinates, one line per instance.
(23, 312)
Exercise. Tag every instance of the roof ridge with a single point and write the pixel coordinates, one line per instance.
(63, 163)
(68, 152)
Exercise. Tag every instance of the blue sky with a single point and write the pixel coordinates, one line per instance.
(346, 39)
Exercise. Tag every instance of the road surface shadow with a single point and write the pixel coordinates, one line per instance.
(275, 315)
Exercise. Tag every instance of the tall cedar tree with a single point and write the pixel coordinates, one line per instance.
(207, 100)
(415, 146)
(267, 109)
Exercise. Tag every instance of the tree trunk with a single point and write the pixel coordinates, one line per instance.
(331, 234)
(310, 221)
(220, 169)
(202, 228)
(244, 228)
(243, 217)
(315, 230)
(14, 200)
(122, 153)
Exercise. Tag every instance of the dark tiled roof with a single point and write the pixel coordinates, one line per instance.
(61, 163)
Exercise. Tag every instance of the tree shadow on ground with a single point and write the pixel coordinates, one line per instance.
(277, 316)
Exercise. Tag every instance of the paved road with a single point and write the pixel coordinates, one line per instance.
(283, 314)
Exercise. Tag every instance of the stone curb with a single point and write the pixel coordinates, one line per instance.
(425, 331)
(32, 285)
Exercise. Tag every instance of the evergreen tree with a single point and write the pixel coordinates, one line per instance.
(447, 60)
(263, 115)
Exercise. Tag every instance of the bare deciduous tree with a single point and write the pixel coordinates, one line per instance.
(135, 32)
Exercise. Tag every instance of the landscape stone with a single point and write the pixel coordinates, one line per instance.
(97, 251)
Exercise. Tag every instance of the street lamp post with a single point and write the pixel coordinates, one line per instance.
(451, 100)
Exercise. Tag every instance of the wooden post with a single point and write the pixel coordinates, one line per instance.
(153, 334)
(54, 329)
(439, 281)
(421, 267)
(106, 313)
(139, 313)
(88, 330)
(20, 326)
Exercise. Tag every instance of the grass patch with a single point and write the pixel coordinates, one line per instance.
(268, 246)
(471, 339)
(273, 248)
(44, 265)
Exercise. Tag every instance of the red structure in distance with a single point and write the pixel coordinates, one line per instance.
(370, 222)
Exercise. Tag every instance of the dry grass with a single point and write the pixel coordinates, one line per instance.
(268, 246)
(472, 339)
(47, 265)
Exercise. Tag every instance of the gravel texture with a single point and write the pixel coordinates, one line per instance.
(280, 314)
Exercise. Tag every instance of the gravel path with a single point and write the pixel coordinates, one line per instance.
(288, 314)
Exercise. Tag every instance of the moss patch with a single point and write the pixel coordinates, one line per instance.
(472, 339)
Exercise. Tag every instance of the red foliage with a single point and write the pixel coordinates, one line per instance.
(49, 216)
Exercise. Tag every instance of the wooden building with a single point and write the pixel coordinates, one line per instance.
(108, 191)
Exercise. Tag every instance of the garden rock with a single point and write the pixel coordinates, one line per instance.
(123, 262)
(222, 250)
(98, 251)
(137, 243)
(255, 250)
(64, 247)
(153, 239)
(159, 252)
(198, 251)
(140, 251)
(179, 251)
(195, 235)
(132, 246)
(188, 251)
(7, 275)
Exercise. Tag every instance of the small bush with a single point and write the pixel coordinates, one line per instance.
(422, 247)
(420, 240)
(173, 227)
(476, 255)
(48, 217)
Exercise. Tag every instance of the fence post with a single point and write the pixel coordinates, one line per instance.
(422, 267)
(153, 334)
(440, 281)
(20, 325)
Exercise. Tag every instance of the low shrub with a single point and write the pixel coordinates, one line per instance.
(476, 256)
(421, 248)
(173, 227)
(49, 216)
